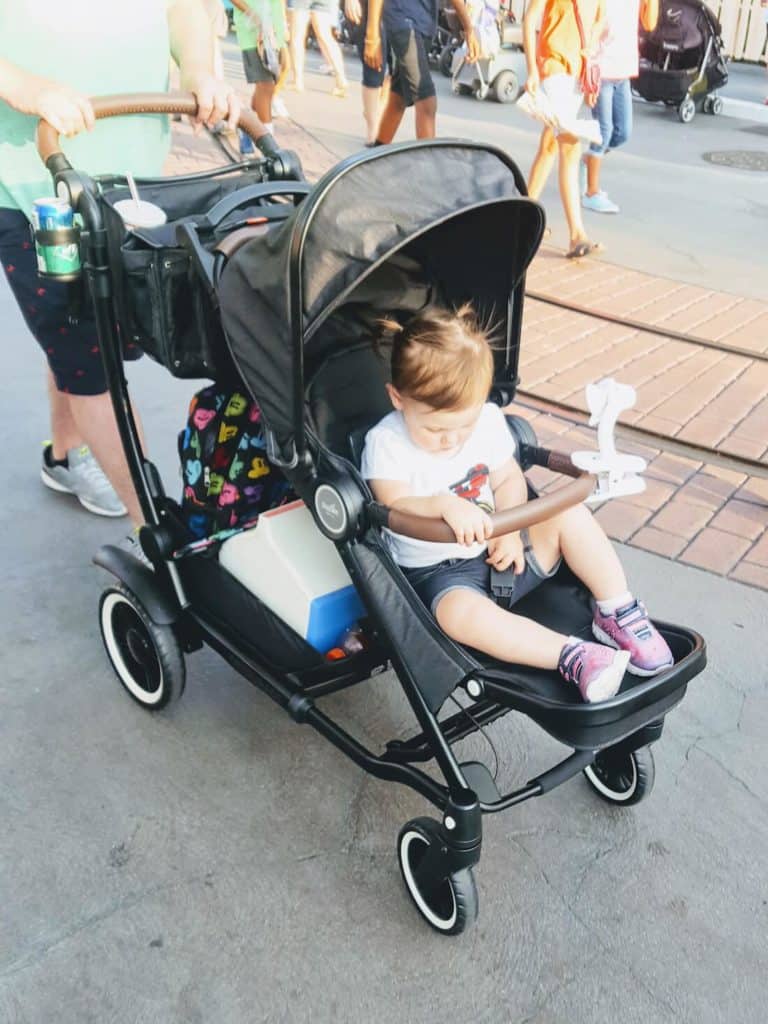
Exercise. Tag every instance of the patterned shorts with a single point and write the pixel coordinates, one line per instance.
(72, 349)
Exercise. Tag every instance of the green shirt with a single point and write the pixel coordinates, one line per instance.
(96, 48)
(267, 14)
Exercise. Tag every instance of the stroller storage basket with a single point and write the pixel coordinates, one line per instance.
(164, 302)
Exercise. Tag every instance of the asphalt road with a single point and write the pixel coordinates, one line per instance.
(681, 217)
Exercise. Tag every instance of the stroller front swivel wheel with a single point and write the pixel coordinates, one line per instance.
(686, 110)
(622, 777)
(146, 657)
(448, 902)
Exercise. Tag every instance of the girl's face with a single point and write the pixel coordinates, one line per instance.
(440, 431)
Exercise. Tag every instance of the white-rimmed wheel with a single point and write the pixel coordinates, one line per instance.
(447, 902)
(622, 777)
(147, 658)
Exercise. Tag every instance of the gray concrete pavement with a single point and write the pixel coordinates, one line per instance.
(217, 863)
(681, 216)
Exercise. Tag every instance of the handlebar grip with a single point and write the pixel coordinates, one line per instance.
(48, 144)
(508, 521)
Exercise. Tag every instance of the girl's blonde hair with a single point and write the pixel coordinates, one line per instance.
(442, 358)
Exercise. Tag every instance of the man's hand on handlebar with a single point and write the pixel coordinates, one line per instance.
(216, 100)
(469, 522)
(67, 110)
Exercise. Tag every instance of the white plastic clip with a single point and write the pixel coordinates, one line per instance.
(617, 474)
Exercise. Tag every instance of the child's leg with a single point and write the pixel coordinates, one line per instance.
(477, 621)
(425, 114)
(261, 102)
(391, 117)
(542, 163)
(580, 539)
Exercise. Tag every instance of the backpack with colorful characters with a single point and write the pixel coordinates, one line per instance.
(228, 478)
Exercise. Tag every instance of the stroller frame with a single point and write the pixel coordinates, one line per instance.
(436, 857)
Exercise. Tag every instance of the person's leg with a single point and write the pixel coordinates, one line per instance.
(569, 150)
(94, 419)
(425, 112)
(477, 621)
(372, 108)
(391, 117)
(299, 21)
(261, 102)
(64, 430)
(578, 537)
(603, 114)
(322, 24)
(542, 163)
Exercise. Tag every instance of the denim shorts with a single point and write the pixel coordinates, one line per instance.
(71, 347)
(433, 582)
(613, 111)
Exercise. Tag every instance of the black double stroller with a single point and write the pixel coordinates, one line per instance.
(682, 61)
(298, 276)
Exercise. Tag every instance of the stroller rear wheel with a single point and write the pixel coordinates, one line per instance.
(448, 903)
(147, 658)
(622, 777)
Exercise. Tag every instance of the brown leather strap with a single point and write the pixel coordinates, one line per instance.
(229, 245)
(141, 103)
(509, 521)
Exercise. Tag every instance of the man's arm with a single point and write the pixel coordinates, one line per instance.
(649, 14)
(372, 54)
(533, 12)
(67, 110)
(473, 47)
(192, 49)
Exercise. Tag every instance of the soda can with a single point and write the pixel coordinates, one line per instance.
(54, 214)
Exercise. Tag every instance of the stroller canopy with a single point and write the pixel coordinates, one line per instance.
(684, 25)
(384, 231)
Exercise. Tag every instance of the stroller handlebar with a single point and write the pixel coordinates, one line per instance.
(509, 520)
(48, 144)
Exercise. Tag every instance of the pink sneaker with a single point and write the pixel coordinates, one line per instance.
(630, 629)
(595, 669)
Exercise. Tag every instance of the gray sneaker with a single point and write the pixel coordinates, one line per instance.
(84, 478)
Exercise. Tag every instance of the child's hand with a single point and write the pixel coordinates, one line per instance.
(506, 551)
(468, 521)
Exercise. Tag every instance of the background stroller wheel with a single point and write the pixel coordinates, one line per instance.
(449, 904)
(147, 658)
(506, 87)
(717, 105)
(446, 59)
(686, 110)
(622, 777)
(480, 91)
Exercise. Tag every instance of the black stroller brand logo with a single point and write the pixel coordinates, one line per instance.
(330, 510)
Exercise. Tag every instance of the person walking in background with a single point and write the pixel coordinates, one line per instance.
(555, 62)
(613, 110)
(375, 88)
(322, 15)
(261, 35)
(408, 27)
(115, 55)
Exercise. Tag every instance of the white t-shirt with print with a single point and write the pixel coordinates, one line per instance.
(389, 454)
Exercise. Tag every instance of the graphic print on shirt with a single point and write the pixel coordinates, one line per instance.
(472, 485)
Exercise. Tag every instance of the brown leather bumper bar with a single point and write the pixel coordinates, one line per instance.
(509, 520)
(142, 103)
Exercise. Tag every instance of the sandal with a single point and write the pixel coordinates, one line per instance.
(585, 248)
(339, 91)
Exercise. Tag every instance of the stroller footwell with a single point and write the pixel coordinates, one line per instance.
(563, 604)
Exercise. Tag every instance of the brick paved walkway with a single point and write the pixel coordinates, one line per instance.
(691, 511)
